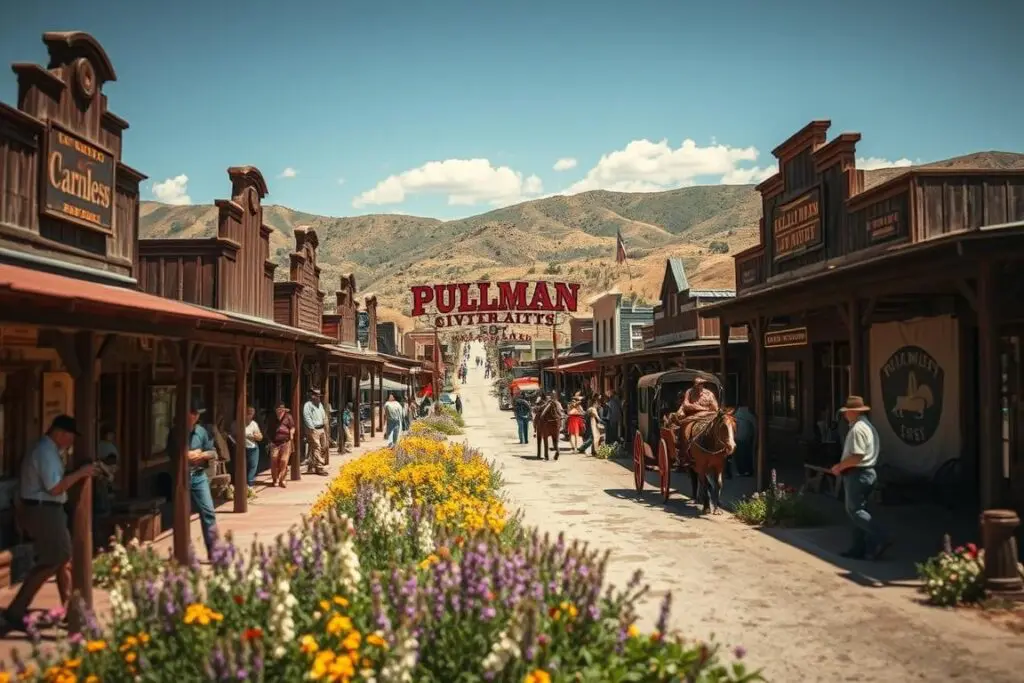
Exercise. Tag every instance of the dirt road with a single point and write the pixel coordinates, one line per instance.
(797, 616)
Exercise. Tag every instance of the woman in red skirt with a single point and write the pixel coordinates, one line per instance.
(576, 426)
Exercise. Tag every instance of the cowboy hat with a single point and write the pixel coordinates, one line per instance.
(855, 404)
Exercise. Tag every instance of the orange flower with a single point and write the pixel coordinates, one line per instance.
(252, 634)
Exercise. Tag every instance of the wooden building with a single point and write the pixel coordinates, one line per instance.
(77, 334)
(905, 291)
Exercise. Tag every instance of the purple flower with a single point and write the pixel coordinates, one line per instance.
(740, 652)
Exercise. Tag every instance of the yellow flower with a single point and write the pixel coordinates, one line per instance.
(130, 657)
(338, 625)
(338, 600)
(72, 663)
(633, 631)
(324, 605)
(91, 678)
(343, 667)
(197, 613)
(143, 637)
(569, 609)
(376, 640)
(5, 677)
(352, 641)
(537, 676)
(94, 646)
(308, 644)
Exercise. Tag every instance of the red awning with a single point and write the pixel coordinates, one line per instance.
(579, 367)
(50, 289)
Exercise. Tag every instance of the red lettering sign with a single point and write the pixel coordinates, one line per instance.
(481, 303)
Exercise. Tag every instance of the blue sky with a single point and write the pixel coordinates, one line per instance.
(357, 98)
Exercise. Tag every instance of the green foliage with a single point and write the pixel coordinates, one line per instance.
(953, 577)
(605, 451)
(718, 247)
(778, 506)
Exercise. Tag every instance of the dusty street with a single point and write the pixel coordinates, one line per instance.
(795, 614)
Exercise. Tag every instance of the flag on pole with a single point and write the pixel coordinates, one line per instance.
(620, 248)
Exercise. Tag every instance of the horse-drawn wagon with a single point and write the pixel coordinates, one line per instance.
(656, 446)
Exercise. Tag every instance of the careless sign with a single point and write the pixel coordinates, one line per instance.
(495, 303)
(78, 181)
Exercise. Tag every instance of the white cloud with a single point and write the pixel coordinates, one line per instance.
(288, 172)
(464, 181)
(565, 164)
(173, 191)
(875, 163)
(645, 166)
(341, 181)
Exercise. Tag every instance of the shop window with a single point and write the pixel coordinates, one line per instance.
(161, 415)
(783, 394)
(636, 335)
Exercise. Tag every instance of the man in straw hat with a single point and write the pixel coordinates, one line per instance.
(857, 468)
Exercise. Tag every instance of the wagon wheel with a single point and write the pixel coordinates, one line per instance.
(664, 471)
(638, 463)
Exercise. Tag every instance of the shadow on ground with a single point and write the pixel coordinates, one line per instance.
(917, 529)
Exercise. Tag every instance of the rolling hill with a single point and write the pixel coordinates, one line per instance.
(563, 237)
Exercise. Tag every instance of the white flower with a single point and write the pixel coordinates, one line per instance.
(121, 605)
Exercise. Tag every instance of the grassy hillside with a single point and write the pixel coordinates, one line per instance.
(567, 237)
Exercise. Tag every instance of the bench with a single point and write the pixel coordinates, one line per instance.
(139, 518)
(815, 477)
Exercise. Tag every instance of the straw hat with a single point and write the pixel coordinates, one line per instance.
(855, 404)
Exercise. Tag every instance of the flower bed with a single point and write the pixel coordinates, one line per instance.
(954, 576)
(779, 505)
(409, 569)
(443, 424)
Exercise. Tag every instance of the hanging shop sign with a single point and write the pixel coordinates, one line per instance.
(78, 181)
(796, 225)
(514, 302)
(794, 336)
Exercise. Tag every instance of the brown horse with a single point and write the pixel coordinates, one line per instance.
(710, 440)
(547, 423)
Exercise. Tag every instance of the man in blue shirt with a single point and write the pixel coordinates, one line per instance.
(44, 487)
(201, 450)
(524, 413)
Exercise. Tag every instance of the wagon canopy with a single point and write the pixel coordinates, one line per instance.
(677, 376)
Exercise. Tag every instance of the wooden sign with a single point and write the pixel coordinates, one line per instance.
(78, 181)
(794, 336)
(796, 226)
(750, 273)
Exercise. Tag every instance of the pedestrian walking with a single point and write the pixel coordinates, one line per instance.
(523, 413)
(393, 412)
(857, 469)
(281, 445)
(314, 418)
(613, 415)
(458, 404)
(346, 425)
(252, 449)
(43, 491)
(200, 449)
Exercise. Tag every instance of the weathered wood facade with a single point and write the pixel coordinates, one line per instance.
(906, 292)
(232, 271)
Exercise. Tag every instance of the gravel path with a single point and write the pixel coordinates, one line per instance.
(799, 617)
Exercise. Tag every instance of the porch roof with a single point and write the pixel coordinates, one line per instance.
(889, 267)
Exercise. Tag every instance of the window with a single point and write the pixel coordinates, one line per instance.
(161, 417)
(783, 394)
(636, 335)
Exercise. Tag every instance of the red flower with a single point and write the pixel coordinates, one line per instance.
(238, 599)
(972, 550)
(252, 634)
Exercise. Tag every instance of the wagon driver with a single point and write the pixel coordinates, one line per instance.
(699, 399)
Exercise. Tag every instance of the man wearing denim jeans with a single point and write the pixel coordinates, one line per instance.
(523, 413)
(857, 468)
(200, 450)
(393, 411)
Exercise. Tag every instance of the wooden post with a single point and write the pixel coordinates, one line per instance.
(723, 355)
(242, 358)
(856, 329)
(182, 483)
(373, 404)
(87, 345)
(989, 430)
(380, 400)
(325, 390)
(355, 407)
(300, 424)
(760, 395)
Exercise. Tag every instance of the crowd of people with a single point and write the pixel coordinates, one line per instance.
(590, 420)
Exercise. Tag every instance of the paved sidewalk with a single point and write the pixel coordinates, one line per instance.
(273, 512)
